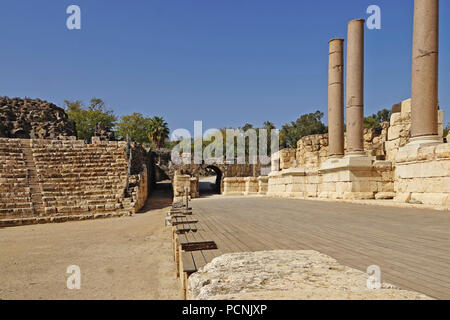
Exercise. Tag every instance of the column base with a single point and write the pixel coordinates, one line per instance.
(354, 154)
(353, 177)
(424, 140)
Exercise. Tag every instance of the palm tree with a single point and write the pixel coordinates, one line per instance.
(159, 131)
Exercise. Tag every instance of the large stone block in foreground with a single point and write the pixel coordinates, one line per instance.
(293, 275)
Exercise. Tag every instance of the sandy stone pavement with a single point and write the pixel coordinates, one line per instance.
(120, 258)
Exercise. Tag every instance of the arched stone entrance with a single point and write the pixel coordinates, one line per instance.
(219, 175)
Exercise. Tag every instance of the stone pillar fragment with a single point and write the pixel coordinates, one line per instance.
(355, 88)
(336, 98)
(424, 88)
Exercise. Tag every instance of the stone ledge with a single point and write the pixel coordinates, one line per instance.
(59, 219)
(347, 163)
(400, 201)
(293, 172)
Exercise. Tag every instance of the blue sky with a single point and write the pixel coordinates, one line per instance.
(226, 62)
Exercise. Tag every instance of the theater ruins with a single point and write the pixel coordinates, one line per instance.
(47, 175)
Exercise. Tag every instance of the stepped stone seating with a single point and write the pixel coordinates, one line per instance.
(80, 179)
(15, 196)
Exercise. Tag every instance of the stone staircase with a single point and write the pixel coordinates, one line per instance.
(35, 187)
(15, 194)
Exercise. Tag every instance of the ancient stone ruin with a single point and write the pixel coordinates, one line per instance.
(33, 118)
(408, 161)
(60, 180)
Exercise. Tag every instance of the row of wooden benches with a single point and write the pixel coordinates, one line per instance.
(191, 246)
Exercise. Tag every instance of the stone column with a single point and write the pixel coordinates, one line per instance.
(424, 95)
(355, 88)
(336, 98)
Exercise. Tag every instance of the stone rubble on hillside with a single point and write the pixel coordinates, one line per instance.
(33, 118)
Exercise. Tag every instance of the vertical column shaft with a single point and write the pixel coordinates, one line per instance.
(336, 98)
(424, 88)
(355, 87)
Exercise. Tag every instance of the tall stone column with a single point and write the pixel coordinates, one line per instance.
(355, 88)
(424, 102)
(336, 98)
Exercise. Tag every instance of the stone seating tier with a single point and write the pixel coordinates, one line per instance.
(44, 178)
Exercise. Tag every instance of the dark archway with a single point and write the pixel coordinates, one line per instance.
(219, 176)
(210, 180)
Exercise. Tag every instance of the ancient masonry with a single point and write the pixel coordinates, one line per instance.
(45, 181)
(408, 161)
(33, 119)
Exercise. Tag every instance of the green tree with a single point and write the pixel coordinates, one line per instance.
(307, 124)
(86, 119)
(446, 130)
(374, 121)
(159, 132)
(136, 126)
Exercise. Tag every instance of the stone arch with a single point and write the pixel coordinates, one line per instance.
(219, 177)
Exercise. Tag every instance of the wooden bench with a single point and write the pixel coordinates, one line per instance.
(194, 251)
(181, 211)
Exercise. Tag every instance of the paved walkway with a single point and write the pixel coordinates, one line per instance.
(411, 246)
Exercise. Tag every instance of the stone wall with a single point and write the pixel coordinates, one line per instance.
(245, 186)
(399, 131)
(33, 118)
(312, 151)
(263, 185)
(138, 186)
(422, 175)
(234, 186)
(181, 182)
(61, 180)
(251, 186)
(409, 174)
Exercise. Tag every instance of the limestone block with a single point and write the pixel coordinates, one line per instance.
(385, 195)
(387, 187)
(311, 190)
(359, 195)
(395, 119)
(406, 107)
(394, 132)
(251, 186)
(439, 199)
(382, 165)
(442, 151)
(343, 187)
(287, 158)
(403, 197)
(423, 169)
(441, 116)
(426, 153)
(407, 154)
